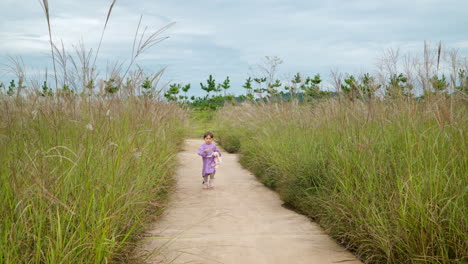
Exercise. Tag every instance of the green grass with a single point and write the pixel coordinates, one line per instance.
(387, 179)
(201, 122)
(80, 179)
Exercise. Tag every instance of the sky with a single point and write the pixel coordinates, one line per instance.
(229, 38)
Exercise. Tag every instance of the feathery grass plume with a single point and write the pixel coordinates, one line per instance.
(439, 51)
(136, 77)
(145, 43)
(45, 7)
(426, 69)
(83, 68)
(62, 59)
(136, 35)
(156, 78)
(454, 67)
(337, 78)
(133, 81)
(15, 66)
(103, 30)
(152, 39)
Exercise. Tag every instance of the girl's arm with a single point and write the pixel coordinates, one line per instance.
(217, 150)
(201, 151)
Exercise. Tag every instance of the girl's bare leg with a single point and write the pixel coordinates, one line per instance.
(205, 182)
(212, 179)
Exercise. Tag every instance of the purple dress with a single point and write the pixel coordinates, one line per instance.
(208, 158)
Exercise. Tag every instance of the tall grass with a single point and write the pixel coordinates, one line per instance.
(389, 179)
(78, 179)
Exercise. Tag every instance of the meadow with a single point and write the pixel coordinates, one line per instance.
(81, 176)
(386, 178)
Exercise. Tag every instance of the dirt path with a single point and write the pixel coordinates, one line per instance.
(239, 221)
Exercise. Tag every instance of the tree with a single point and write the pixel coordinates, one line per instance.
(218, 89)
(463, 85)
(398, 86)
(272, 87)
(311, 87)
(439, 84)
(369, 86)
(248, 86)
(226, 85)
(362, 88)
(90, 85)
(210, 86)
(147, 88)
(46, 91)
(111, 86)
(268, 70)
(11, 88)
(260, 90)
(171, 94)
(350, 88)
(296, 82)
(185, 90)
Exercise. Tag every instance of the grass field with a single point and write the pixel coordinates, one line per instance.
(201, 122)
(388, 179)
(81, 177)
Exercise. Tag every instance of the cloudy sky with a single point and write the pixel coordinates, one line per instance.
(227, 38)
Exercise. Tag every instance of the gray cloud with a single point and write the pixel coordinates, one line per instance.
(226, 37)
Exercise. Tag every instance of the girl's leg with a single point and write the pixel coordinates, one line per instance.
(205, 182)
(212, 178)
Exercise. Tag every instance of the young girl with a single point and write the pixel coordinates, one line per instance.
(210, 155)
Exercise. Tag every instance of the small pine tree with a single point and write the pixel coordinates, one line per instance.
(311, 87)
(463, 81)
(185, 89)
(66, 90)
(11, 88)
(439, 84)
(272, 87)
(248, 86)
(350, 88)
(398, 86)
(369, 86)
(90, 85)
(111, 86)
(46, 91)
(226, 85)
(147, 88)
(171, 94)
(297, 82)
(260, 89)
(211, 85)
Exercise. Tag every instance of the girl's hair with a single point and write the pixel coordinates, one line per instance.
(208, 134)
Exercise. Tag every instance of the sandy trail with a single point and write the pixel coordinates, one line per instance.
(239, 221)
